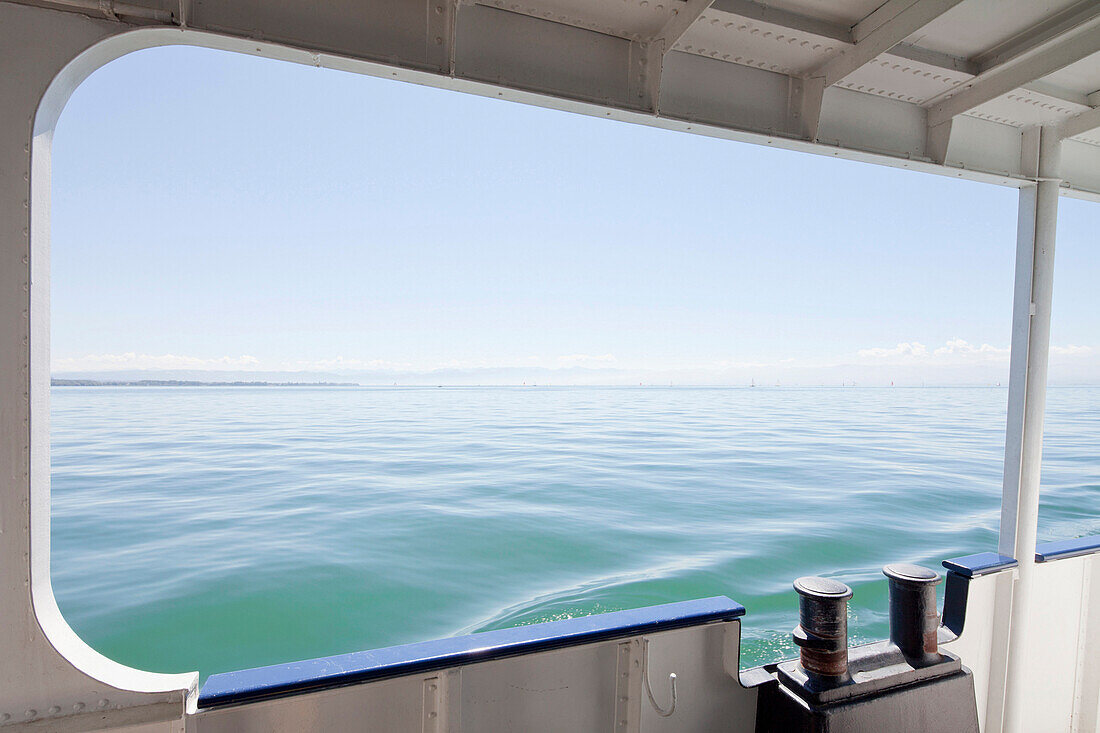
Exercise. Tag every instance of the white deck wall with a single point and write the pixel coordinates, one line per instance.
(578, 689)
(1061, 693)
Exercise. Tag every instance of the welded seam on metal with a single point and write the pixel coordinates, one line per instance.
(1027, 67)
(451, 38)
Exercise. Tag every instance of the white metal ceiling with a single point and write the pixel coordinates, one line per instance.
(967, 36)
(939, 84)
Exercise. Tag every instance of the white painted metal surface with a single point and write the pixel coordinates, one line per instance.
(949, 87)
(1062, 691)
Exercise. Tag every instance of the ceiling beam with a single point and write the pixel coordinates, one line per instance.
(1082, 123)
(882, 30)
(837, 32)
(1042, 32)
(934, 58)
(752, 10)
(1029, 66)
(879, 32)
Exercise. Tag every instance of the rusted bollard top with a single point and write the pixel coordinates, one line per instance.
(822, 632)
(914, 622)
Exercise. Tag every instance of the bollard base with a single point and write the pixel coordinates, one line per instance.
(886, 695)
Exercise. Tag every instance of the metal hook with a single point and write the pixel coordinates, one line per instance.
(649, 692)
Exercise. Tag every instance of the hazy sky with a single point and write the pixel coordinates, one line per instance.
(216, 211)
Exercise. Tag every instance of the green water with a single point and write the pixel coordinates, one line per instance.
(222, 528)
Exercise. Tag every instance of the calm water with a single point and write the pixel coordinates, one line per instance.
(221, 528)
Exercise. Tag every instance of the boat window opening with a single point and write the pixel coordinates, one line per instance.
(343, 362)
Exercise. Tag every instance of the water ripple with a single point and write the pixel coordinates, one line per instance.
(220, 528)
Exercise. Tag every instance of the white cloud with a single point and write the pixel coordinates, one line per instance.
(907, 349)
(983, 361)
(132, 360)
(1071, 350)
(953, 352)
(964, 350)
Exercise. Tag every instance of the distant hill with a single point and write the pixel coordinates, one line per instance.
(187, 383)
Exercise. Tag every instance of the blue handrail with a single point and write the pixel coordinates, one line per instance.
(972, 566)
(231, 688)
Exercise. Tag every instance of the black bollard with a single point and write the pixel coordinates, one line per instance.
(822, 633)
(896, 686)
(914, 622)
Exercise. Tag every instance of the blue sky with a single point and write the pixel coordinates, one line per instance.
(221, 212)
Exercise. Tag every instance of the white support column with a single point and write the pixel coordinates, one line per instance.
(1027, 397)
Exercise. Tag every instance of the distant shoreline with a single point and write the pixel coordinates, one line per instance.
(60, 382)
(188, 383)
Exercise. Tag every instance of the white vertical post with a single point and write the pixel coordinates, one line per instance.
(1027, 397)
